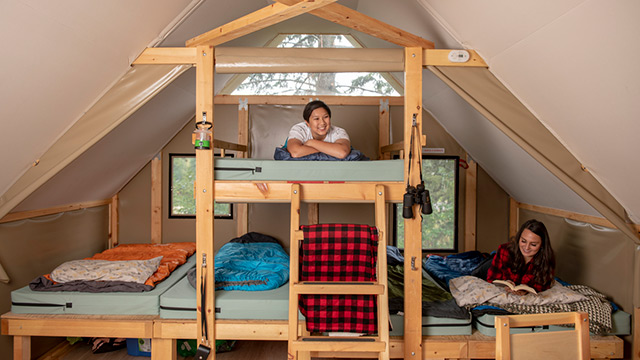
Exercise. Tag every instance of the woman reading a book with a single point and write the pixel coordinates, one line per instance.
(526, 259)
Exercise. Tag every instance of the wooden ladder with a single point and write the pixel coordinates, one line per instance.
(301, 344)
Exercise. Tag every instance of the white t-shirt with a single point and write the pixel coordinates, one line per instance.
(302, 132)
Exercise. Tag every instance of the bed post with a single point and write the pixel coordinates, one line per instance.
(242, 210)
(204, 202)
(413, 227)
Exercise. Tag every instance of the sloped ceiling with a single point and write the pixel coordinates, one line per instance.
(570, 62)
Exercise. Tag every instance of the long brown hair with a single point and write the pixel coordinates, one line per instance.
(544, 262)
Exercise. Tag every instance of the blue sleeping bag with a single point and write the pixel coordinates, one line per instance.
(253, 262)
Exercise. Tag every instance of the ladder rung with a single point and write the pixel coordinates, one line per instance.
(338, 344)
(338, 288)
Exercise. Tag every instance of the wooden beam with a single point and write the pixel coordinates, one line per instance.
(384, 130)
(353, 19)
(114, 221)
(278, 192)
(330, 100)
(470, 207)
(569, 215)
(514, 222)
(205, 194)
(166, 56)
(265, 17)
(413, 226)
(156, 199)
(440, 57)
(242, 209)
(251, 60)
(21, 215)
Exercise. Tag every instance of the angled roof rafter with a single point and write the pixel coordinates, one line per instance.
(353, 19)
(255, 21)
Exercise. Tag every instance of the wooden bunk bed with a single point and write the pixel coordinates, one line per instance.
(200, 53)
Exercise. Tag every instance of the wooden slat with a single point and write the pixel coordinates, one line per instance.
(205, 192)
(470, 206)
(636, 334)
(568, 214)
(338, 288)
(339, 346)
(413, 227)
(331, 100)
(265, 17)
(384, 131)
(167, 56)
(21, 215)
(278, 192)
(242, 209)
(353, 19)
(313, 213)
(513, 217)
(294, 266)
(383, 299)
(156, 199)
(22, 347)
(221, 144)
(79, 327)
(114, 221)
(439, 57)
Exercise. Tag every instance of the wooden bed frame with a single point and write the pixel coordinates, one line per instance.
(200, 53)
(164, 333)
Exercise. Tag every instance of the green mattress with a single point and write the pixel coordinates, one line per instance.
(180, 303)
(620, 321)
(274, 170)
(27, 301)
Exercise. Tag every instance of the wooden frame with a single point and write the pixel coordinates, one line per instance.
(559, 345)
(200, 53)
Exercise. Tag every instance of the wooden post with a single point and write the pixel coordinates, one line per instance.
(413, 227)
(384, 130)
(313, 213)
(22, 347)
(113, 222)
(513, 217)
(156, 199)
(242, 209)
(470, 210)
(204, 200)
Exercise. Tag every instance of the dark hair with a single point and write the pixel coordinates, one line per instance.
(544, 262)
(308, 109)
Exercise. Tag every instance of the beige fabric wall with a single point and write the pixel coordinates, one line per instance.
(135, 197)
(492, 220)
(30, 248)
(599, 257)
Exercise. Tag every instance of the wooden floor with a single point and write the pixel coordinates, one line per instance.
(245, 350)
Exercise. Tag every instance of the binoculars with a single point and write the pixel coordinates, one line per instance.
(416, 195)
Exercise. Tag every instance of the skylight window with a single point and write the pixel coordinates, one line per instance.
(346, 84)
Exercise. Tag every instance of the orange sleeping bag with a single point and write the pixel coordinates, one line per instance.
(173, 255)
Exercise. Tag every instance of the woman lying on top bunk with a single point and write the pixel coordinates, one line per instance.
(316, 138)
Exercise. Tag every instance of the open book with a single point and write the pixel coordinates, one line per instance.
(515, 287)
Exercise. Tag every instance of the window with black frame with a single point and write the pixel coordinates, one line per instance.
(182, 202)
(439, 230)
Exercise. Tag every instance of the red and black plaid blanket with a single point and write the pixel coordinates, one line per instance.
(339, 252)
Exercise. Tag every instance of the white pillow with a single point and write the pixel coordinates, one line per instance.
(137, 271)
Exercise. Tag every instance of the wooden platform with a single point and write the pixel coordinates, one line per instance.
(163, 332)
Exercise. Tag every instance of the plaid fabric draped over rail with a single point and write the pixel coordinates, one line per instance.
(339, 252)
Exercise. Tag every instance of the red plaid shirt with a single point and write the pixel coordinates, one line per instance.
(501, 269)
